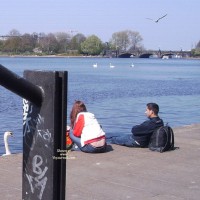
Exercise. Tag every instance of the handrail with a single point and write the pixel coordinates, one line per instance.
(21, 86)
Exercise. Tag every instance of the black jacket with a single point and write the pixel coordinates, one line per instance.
(142, 133)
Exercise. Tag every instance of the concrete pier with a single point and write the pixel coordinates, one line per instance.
(123, 173)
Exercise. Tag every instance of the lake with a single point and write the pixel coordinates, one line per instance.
(117, 96)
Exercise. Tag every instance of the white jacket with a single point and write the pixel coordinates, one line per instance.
(87, 127)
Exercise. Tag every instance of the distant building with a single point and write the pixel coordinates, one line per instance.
(37, 50)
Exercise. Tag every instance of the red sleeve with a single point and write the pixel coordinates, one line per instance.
(78, 127)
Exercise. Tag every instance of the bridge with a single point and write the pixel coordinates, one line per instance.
(165, 54)
(150, 54)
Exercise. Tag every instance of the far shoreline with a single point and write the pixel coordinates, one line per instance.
(81, 56)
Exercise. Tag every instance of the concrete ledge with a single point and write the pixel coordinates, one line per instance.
(123, 173)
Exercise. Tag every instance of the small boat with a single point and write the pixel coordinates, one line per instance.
(165, 57)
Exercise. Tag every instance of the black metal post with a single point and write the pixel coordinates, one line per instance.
(44, 158)
(44, 129)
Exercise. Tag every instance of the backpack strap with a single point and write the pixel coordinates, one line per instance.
(172, 137)
(165, 130)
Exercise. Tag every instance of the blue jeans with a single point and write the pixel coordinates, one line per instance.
(88, 148)
(124, 140)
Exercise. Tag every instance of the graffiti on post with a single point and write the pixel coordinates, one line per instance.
(35, 134)
(38, 182)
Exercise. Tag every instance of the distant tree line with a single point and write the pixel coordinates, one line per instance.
(63, 43)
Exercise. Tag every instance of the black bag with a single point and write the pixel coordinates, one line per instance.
(162, 139)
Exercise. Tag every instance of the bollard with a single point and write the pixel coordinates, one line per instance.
(44, 127)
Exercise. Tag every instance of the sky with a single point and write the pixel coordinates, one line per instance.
(178, 30)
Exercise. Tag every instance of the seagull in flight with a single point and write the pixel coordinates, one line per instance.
(156, 21)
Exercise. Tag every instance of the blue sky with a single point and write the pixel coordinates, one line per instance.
(178, 30)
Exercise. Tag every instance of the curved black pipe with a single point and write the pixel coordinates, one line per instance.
(20, 86)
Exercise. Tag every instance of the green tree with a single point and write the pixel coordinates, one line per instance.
(13, 43)
(196, 51)
(48, 43)
(63, 40)
(75, 43)
(52, 43)
(14, 33)
(135, 40)
(92, 45)
(1, 45)
(125, 40)
(28, 42)
(198, 45)
(120, 41)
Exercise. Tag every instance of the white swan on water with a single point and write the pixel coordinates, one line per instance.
(6, 135)
(112, 66)
(95, 65)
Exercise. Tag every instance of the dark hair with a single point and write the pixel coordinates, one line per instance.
(154, 107)
(78, 107)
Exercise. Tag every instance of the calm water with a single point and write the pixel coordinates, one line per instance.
(116, 96)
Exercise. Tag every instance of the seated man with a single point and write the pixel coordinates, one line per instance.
(141, 133)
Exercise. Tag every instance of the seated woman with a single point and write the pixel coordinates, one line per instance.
(86, 132)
